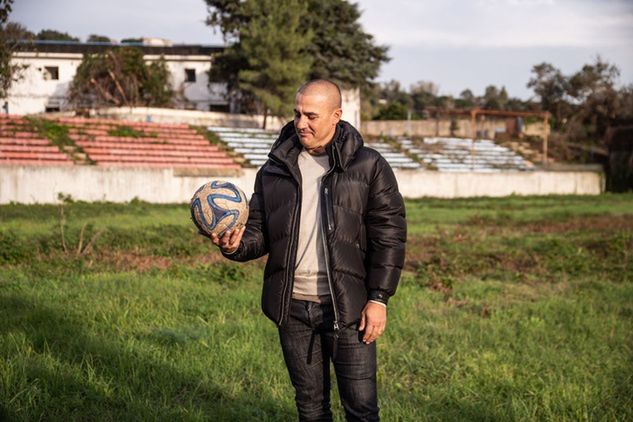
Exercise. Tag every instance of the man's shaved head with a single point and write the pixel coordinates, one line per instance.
(323, 87)
(317, 112)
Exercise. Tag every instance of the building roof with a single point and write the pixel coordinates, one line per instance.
(100, 47)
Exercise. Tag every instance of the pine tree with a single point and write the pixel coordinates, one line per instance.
(273, 42)
(340, 50)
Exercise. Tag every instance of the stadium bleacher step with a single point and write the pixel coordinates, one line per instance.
(255, 144)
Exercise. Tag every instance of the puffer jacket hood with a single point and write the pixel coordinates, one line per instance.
(346, 142)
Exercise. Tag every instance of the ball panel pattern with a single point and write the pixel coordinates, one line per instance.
(218, 206)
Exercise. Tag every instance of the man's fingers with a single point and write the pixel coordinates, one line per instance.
(373, 332)
(361, 326)
(215, 239)
(373, 321)
(226, 239)
(370, 334)
(236, 237)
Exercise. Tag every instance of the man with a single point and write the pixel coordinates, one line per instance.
(328, 212)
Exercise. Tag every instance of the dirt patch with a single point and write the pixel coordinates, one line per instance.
(127, 261)
(600, 222)
(577, 223)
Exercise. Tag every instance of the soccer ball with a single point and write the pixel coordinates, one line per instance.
(218, 206)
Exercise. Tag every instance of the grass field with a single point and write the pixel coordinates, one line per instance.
(509, 309)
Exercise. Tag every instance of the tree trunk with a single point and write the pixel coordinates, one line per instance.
(265, 118)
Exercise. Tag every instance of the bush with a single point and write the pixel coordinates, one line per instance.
(13, 249)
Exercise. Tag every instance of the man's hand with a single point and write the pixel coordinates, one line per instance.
(230, 240)
(373, 319)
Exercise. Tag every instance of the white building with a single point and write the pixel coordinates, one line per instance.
(49, 68)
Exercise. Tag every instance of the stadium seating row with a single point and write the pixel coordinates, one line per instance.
(21, 144)
(464, 155)
(178, 145)
(159, 145)
(254, 145)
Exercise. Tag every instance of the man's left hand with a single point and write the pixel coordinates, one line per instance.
(373, 320)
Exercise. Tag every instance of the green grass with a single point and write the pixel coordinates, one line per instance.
(129, 132)
(509, 309)
(58, 135)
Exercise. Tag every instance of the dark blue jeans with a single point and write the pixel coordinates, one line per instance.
(307, 341)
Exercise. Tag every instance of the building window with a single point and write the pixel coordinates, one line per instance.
(221, 108)
(190, 75)
(51, 73)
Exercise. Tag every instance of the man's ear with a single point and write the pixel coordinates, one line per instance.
(338, 113)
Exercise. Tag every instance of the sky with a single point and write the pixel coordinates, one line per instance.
(456, 44)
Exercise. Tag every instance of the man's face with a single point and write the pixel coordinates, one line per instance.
(316, 117)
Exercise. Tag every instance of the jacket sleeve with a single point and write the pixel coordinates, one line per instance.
(386, 233)
(254, 242)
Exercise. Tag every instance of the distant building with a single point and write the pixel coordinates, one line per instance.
(51, 66)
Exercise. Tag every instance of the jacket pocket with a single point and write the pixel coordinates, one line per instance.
(329, 209)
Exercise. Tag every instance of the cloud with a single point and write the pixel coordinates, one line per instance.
(501, 23)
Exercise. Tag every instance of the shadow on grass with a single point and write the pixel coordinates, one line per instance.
(57, 371)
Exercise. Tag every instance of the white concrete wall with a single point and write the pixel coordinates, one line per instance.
(192, 117)
(420, 183)
(34, 90)
(38, 184)
(351, 106)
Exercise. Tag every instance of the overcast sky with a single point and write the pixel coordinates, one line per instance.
(456, 44)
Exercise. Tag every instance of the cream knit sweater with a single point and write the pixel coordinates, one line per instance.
(310, 271)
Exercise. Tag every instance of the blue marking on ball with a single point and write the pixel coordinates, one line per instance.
(207, 223)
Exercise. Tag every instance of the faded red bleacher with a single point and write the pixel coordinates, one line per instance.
(153, 145)
(159, 145)
(20, 144)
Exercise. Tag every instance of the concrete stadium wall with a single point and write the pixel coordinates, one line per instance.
(417, 184)
(442, 127)
(39, 184)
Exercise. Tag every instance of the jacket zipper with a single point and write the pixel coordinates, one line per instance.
(326, 251)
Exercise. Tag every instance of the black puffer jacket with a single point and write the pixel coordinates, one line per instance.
(363, 218)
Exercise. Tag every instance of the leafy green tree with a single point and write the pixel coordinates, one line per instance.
(466, 99)
(272, 42)
(10, 34)
(423, 94)
(551, 87)
(495, 98)
(99, 38)
(624, 114)
(53, 35)
(120, 77)
(18, 32)
(5, 10)
(392, 111)
(593, 89)
(584, 104)
(340, 50)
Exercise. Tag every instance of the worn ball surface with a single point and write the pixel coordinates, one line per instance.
(218, 206)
